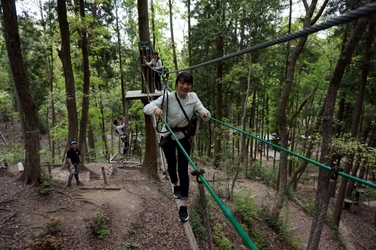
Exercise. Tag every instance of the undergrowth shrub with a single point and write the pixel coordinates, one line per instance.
(195, 220)
(45, 187)
(3, 247)
(48, 239)
(98, 222)
(129, 246)
(220, 239)
(266, 175)
(244, 206)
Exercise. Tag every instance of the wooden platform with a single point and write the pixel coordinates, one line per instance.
(136, 95)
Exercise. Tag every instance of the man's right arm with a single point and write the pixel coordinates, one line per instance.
(70, 162)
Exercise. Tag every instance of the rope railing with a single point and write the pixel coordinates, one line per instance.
(363, 11)
(348, 17)
(296, 155)
(226, 211)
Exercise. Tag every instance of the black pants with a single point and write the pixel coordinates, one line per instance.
(157, 80)
(125, 141)
(169, 148)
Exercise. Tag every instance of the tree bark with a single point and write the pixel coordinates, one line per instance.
(361, 25)
(149, 165)
(219, 102)
(282, 116)
(65, 57)
(30, 117)
(86, 71)
(327, 134)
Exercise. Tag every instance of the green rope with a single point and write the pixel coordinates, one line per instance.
(226, 211)
(297, 155)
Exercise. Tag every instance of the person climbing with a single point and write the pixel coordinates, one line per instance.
(74, 163)
(120, 129)
(180, 104)
(156, 64)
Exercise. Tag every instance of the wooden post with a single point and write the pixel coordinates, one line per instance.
(104, 176)
(205, 216)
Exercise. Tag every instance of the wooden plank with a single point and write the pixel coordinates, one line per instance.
(350, 201)
(136, 94)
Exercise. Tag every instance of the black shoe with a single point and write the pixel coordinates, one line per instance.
(68, 186)
(177, 192)
(80, 184)
(183, 214)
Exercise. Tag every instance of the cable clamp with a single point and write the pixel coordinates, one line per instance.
(197, 173)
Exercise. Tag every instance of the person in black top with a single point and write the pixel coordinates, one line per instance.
(74, 162)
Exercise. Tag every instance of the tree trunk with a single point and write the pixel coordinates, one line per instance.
(218, 137)
(172, 37)
(120, 62)
(358, 108)
(284, 99)
(32, 171)
(327, 134)
(86, 71)
(242, 145)
(149, 165)
(65, 57)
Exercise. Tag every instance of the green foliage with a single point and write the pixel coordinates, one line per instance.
(195, 220)
(98, 222)
(12, 154)
(266, 175)
(197, 225)
(369, 194)
(45, 187)
(259, 238)
(5, 103)
(231, 167)
(3, 247)
(244, 206)
(220, 239)
(129, 246)
(43, 125)
(48, 239)
(346, 145)
(283, 230)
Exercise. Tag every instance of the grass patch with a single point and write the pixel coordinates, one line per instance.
(98, 222)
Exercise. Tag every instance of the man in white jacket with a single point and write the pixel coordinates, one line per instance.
(168, 104)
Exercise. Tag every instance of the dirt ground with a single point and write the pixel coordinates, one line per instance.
(142, 213)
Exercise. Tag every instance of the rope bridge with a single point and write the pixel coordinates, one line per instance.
(363, 11)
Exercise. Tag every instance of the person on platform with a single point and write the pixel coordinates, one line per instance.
(156, 64)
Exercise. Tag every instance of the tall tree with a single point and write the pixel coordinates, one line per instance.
(117, 28)
(149, 165)
(30, 117)
(354, 129)
(86, 71)
(65, 57)
(172, 35)
(283, 104)
(219, 74)
(321, 203)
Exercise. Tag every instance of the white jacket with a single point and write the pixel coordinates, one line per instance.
(176, 117)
